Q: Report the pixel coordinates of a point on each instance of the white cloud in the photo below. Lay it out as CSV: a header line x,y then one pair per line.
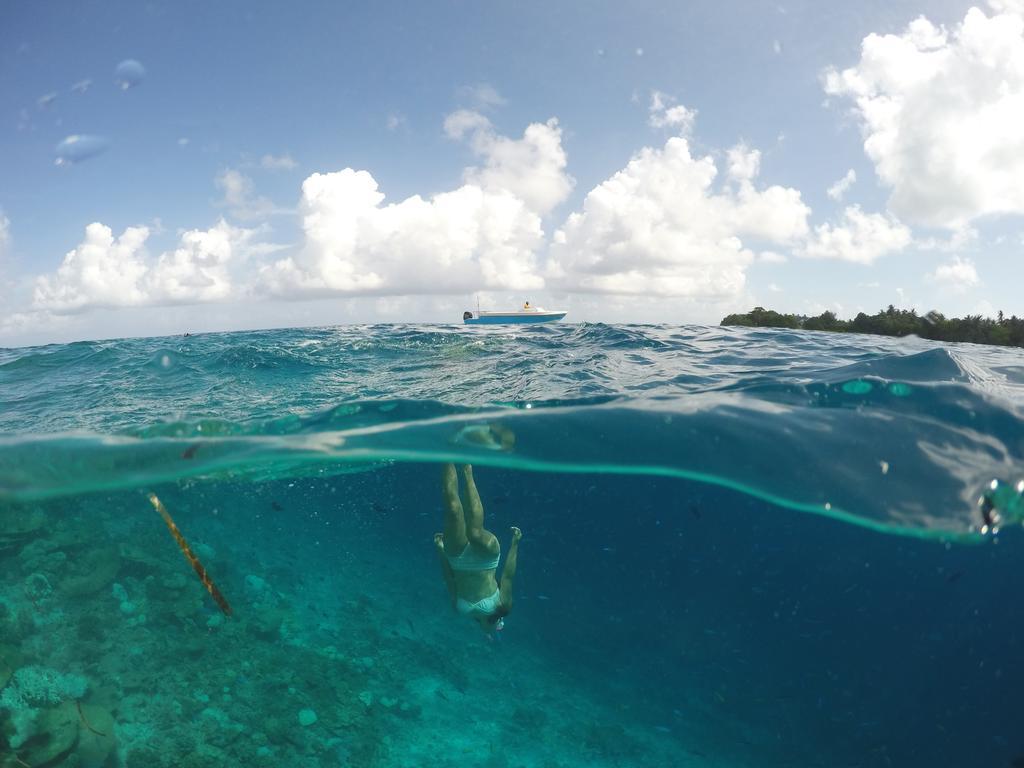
x,y
482,235
837,190
959,274
108,271
744,163
455,242
771,257
665,113
240,197
660,227
101,271
464,121
5,234
395,121
277,163
531,168
941,111
198,269
861,238
958,239
1007,6
481,96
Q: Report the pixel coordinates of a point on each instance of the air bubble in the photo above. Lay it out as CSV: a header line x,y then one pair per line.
x,y
79,147
128,74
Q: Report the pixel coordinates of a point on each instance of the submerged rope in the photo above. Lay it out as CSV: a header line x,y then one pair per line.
x,y
190,555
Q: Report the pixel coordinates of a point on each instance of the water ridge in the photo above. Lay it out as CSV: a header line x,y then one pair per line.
x,y
896,434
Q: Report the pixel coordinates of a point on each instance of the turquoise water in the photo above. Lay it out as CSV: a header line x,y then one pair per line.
x,y
742,547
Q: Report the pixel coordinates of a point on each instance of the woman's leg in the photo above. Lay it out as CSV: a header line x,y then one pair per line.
x,y
454,518
476,533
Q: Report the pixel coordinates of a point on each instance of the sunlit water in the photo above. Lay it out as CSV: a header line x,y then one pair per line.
x,y
741,548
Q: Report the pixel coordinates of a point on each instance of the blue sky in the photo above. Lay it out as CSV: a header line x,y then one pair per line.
x,y
648,161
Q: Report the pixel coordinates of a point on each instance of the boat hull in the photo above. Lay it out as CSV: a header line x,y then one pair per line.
x,y
514,318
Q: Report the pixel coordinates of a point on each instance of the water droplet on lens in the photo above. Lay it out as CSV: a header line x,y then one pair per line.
x,y
79,147
129,73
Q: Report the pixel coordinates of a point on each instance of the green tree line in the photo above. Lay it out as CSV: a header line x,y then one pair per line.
x,y
1004,331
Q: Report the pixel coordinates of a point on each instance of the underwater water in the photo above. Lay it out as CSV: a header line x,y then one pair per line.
x,y
741,547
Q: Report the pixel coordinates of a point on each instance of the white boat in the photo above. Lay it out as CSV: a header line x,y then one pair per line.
x,y
528,314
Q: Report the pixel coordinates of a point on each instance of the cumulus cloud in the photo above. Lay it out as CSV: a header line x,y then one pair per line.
x,y
861,237
198,269
663,112
940,111
959,274
101,271
277,162
661,226
457,241
837,190
485,234
108,271
531,168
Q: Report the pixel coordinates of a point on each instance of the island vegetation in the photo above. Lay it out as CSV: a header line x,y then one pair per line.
x,y
1002,330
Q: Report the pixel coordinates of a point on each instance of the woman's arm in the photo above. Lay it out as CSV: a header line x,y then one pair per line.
x,y
446,568
508,573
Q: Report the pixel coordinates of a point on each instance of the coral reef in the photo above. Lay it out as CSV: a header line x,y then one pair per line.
x,y
116,656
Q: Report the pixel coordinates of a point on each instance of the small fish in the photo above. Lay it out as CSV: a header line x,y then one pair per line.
x,y
543,597
953,578
662,729
276,507
190,452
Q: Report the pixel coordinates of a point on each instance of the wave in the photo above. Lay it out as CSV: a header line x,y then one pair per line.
x,y
897,435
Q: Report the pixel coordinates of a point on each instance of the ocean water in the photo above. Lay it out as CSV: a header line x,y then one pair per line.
x,y
741,547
